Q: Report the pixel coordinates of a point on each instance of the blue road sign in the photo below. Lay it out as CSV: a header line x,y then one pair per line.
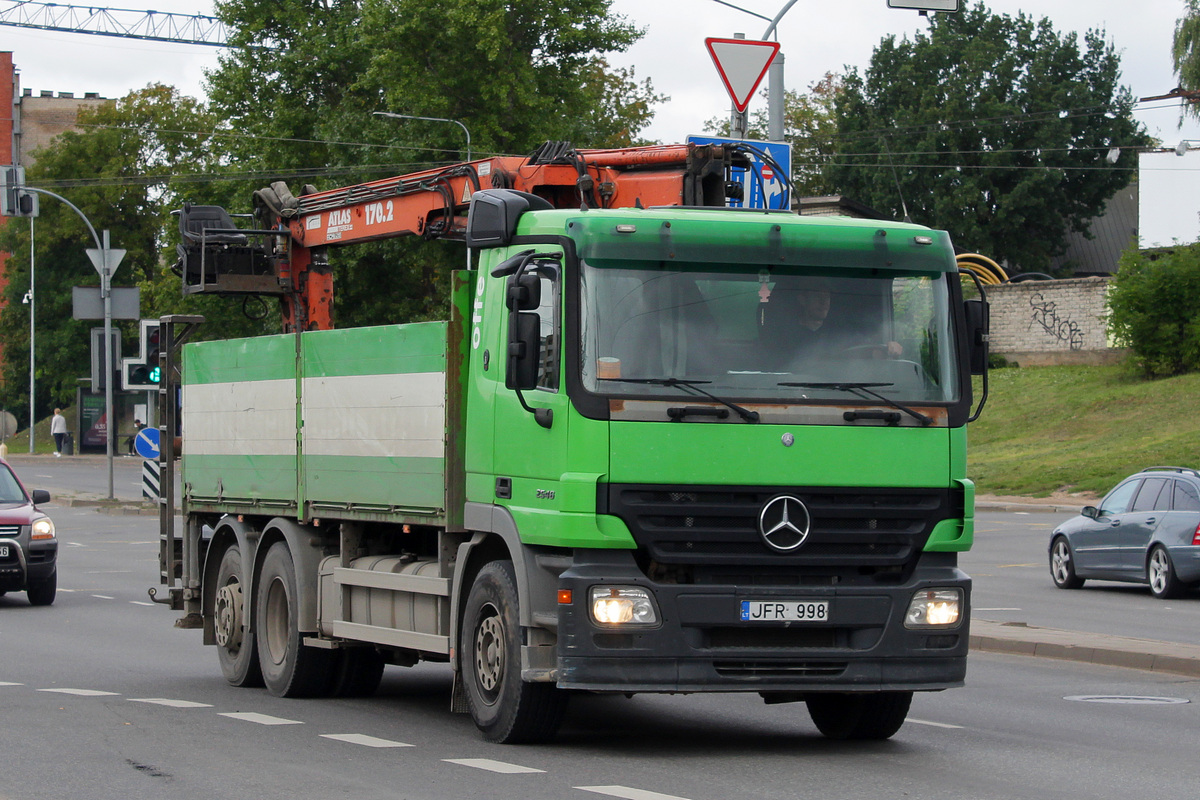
x,y
146,443
762,187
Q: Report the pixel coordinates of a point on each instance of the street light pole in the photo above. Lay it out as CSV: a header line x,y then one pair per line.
x,y
429,119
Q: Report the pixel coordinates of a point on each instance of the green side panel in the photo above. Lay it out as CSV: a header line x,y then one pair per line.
x,y
241,477
559,529
409,484
416,347
722,454
954,535
259,359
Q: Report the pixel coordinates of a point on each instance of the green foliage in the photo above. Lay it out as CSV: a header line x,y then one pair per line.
x,y
1154,306
1185,50
809,126
992,127
136,153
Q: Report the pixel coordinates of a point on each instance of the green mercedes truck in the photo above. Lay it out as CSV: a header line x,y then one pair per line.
x,y
664,450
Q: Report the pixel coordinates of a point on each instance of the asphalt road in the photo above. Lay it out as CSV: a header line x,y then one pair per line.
x,y
103,699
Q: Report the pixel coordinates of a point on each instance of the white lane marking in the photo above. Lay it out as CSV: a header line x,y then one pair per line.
x,y
103,597
74,544
492,766
629,793
9,683
80,692
68,591
140,603
261,719
163,701
933,724
364,740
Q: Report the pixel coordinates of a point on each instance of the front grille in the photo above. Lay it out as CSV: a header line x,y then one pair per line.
x,y
716,526
10,530
764,638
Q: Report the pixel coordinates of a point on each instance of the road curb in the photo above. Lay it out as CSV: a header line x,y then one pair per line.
x,y
1017,638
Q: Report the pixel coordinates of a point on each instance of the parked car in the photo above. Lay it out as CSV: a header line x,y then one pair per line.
x,y
1146,530
28,547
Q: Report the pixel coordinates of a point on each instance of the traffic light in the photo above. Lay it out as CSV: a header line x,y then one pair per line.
x,y
14,200
144,371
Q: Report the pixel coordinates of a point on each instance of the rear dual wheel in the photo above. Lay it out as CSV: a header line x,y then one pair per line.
x,y
236,650
289,669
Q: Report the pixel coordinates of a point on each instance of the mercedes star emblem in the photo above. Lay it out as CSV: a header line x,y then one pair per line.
x,y
783,523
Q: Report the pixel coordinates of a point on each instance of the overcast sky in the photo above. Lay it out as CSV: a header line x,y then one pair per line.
x,y
816,36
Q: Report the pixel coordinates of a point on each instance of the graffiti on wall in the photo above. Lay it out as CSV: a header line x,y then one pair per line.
x,y
1062,328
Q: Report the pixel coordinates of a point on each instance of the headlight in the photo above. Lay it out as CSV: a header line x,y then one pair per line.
x,y
934,608
43,528
622,605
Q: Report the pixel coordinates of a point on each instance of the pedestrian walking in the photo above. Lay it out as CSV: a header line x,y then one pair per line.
x,y
58,429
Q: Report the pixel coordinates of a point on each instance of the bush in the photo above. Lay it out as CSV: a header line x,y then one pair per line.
x,y
1154,310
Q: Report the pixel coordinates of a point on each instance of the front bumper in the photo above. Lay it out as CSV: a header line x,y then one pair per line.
x,y
702,645
27,563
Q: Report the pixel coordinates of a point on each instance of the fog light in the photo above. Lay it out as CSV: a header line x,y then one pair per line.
x,y
934,608
622,605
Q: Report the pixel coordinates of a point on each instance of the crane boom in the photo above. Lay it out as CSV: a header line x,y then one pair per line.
x,y
157,26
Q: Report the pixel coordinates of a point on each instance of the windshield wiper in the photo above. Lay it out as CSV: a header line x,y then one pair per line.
x,y
866,392
690,385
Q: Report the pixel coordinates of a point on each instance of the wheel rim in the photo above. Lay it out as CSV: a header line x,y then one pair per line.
x,y
227,615
1160,571
1061,562
276,626
489,652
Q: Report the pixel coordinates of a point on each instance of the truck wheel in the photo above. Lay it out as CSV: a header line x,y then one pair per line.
x,y
358,672
870,715
505,708
42,593
289,669
231,623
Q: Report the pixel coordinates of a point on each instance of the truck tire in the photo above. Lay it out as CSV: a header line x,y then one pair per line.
x,y
42,593
506,709
869,715
289,669
231,623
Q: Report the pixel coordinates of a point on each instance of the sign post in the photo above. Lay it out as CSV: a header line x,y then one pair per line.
x,y
106,260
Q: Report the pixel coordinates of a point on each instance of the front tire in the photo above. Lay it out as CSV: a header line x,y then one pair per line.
x,y
865,716
236,650
1160,574
1062,565
506,709
289,669
42,593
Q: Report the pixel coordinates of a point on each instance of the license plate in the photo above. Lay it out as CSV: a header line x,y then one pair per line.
x,y
785,611
3,551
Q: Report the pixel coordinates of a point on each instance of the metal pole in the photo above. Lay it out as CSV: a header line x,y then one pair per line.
x,y
429,119
106,293
737,119
32,417
776,108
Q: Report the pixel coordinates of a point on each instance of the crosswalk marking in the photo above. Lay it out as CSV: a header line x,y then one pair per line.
x,y
261,719
162,701
629,793
492,766
364,740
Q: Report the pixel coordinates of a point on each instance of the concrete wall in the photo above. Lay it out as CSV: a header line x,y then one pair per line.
x,y
1039,323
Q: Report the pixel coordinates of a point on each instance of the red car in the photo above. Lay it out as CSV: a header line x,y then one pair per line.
x,y
28,547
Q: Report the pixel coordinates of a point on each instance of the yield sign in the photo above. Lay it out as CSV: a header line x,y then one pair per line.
x,y
742,63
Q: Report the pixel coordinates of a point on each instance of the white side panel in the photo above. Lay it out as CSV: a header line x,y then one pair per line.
x,y
241,418
398,415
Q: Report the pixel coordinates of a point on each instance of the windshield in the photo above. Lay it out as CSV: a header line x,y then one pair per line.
x,y
778,335
10,490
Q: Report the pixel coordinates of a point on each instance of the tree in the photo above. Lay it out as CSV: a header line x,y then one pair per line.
x,y
992,127
809,125
1185,50
305,76
1154,305
138,152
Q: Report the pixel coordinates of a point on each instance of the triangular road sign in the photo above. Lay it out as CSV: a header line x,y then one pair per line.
x,y
741,63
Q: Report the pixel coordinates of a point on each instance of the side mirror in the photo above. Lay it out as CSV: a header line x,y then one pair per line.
x,y
39,496
977,333
524,292
1091,512
524,350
